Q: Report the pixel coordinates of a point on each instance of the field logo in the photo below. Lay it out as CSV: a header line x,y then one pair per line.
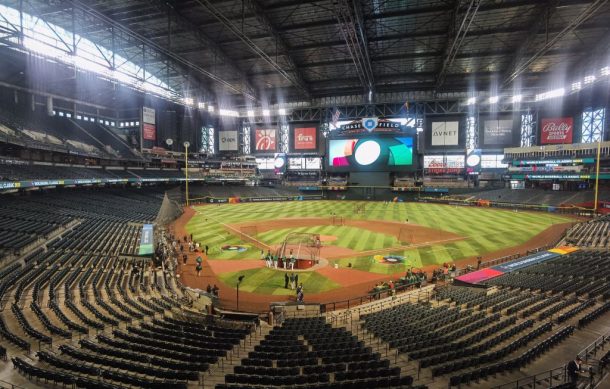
x,y
234,247
390,259
558,130
370,124
265,140
305,138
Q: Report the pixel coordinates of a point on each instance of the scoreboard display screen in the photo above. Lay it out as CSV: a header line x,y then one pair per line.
x,y
371,153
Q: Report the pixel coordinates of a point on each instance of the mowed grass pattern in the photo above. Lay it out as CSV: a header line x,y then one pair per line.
x,y
268,281
349,237
485,230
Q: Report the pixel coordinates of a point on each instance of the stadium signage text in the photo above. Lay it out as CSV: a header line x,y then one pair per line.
x,y
445,133
557,130
227,141
371,124
553,161
305,138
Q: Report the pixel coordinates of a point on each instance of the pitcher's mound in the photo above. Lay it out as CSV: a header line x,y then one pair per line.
x,y
327,238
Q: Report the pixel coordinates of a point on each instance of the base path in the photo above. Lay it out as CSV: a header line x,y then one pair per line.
x,y
222,266
410,232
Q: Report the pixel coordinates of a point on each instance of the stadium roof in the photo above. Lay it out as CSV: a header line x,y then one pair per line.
x,y
256,53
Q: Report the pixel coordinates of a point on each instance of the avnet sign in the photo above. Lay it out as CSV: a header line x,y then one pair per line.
x,y
444,133
227,141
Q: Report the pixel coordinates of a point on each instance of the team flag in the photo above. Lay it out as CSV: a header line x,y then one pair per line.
x,y
335,117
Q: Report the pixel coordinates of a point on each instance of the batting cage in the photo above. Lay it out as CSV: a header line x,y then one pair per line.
x,y
303,247
359,208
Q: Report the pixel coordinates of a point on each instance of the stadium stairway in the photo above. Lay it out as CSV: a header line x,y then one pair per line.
x,y
350,320
554,358
216,374
551,359
407,368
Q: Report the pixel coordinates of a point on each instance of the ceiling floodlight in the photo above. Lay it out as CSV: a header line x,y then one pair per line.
x,y
550,94
576,86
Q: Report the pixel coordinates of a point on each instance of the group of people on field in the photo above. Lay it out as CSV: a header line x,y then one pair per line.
x,y
292,280
273,261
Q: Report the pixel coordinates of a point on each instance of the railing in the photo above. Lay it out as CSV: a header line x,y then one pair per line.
x,y
349,315
349,303
507,258
6,384
558,375
546,379
591,350
497,204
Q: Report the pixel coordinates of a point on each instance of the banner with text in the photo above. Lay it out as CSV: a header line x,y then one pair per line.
x,y
498,132
146,240
227,141
265,140
149,124
305,138
556,130
445,133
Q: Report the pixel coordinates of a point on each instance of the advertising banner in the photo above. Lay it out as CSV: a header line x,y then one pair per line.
x,y
445,133
146,240
227,141
557,130
482,275
149,127
444,164
305,138
265,140
498,132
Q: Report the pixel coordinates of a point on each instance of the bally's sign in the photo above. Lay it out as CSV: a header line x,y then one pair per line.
x,y
227,140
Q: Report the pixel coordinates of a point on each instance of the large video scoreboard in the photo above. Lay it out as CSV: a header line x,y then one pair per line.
x,y
372,144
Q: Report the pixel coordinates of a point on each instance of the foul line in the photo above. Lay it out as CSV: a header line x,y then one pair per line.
x,y
381,251
241,234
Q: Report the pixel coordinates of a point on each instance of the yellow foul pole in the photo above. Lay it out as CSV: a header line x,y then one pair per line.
x,y
599,148
186,169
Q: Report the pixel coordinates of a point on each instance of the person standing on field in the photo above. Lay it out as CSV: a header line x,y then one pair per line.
x,y
292,284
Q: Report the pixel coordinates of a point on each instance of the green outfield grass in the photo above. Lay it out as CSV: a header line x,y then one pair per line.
x,y
484,230
268,281
349,237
